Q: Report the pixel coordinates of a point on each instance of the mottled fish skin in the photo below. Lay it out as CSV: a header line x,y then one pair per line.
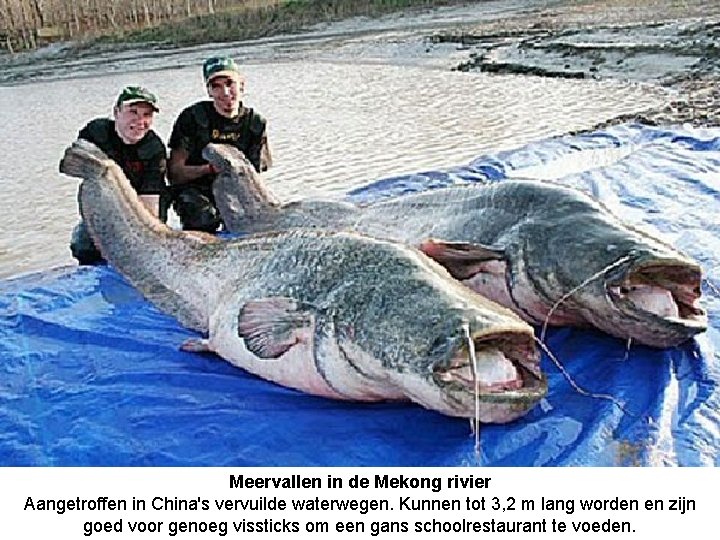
x,y
334,314
551,254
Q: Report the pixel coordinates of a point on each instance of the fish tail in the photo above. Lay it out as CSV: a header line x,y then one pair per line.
x,y
153,257
240,193
84,160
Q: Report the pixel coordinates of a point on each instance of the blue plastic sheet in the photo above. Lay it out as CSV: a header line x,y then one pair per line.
x,y
92,374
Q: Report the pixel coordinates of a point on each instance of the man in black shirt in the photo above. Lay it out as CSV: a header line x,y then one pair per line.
x,y
223,120
129,141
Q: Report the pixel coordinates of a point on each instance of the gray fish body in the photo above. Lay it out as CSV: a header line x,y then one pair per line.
x,y
333,314
551,254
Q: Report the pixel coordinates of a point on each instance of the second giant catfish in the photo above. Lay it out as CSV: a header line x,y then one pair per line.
x,y
551,254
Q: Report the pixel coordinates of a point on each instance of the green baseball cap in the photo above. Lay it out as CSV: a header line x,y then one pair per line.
x,y
220,66
137,94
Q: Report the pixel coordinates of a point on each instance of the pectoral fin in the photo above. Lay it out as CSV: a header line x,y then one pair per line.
x,y
272,326
462,259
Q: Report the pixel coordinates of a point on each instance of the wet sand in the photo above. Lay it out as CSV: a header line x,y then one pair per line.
x,y
672,44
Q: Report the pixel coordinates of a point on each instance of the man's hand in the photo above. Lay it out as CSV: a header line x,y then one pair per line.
x,y
180,173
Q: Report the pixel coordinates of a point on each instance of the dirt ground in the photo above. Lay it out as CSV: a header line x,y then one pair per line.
x,y
675,44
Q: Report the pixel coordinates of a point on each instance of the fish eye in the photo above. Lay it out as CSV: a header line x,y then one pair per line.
x,y
440,344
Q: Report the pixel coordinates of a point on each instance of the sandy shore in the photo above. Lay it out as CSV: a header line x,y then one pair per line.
x,y
670,43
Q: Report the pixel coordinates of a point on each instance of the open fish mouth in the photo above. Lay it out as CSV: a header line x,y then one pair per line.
x,y
501,370
664,292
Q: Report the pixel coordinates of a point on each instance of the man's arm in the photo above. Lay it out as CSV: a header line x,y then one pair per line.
x,y
258,152
184,136
180,173
265,154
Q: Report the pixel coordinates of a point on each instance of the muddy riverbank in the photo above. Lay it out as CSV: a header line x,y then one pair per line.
x,y
673,44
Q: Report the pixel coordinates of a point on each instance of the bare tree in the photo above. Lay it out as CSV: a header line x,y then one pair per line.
x,y
22,21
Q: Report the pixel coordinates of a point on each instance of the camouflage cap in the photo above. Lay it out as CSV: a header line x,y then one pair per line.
x,y
220,66
137,94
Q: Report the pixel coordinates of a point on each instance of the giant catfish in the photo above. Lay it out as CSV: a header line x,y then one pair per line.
x,y
551,254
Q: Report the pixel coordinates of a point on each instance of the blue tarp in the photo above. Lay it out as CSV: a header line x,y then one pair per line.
x,y
92,374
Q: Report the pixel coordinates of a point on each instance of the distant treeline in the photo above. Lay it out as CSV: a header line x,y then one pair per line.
x,y
26,24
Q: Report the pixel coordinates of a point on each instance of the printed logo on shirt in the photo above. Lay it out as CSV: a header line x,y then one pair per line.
x,y
224,136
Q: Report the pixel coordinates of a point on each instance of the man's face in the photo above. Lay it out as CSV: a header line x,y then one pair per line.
x,y
226,93
133,120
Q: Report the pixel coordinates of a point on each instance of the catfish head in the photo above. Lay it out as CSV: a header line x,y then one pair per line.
x,y
586,269
622,280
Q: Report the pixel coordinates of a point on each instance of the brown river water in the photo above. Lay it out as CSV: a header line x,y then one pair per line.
x,y
343,110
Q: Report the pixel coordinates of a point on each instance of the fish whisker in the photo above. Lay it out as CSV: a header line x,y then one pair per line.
x,y
627,349
619,404
474,422
712,287
573,291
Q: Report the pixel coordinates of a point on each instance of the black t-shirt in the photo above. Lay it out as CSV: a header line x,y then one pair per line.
x,y
201,124
144,163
